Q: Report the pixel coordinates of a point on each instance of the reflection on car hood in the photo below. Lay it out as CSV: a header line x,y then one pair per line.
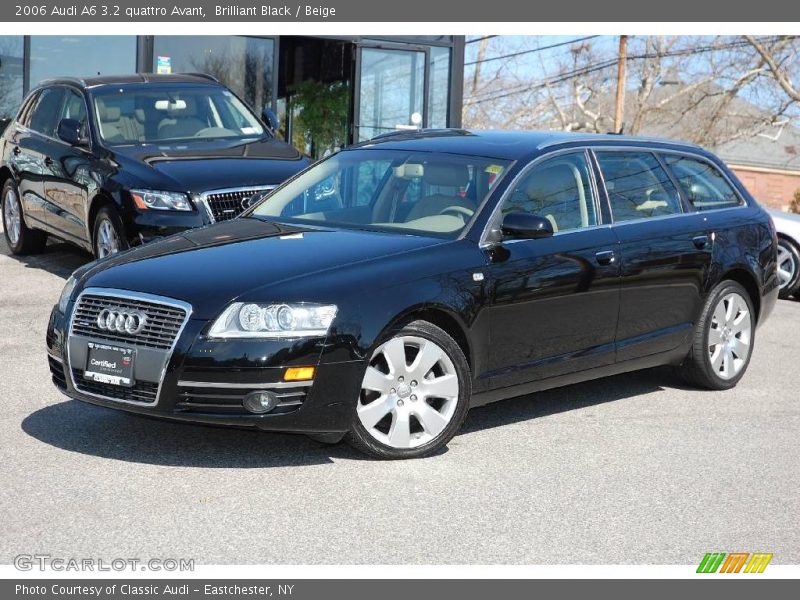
x,y
199,166
210,266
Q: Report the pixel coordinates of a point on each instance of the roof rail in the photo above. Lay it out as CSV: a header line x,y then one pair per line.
x,y
203,75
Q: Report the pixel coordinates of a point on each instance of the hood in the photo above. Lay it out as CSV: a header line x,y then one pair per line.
x,y
207,165
211,266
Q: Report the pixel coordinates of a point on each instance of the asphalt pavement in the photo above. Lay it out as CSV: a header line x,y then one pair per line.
x,y
632,469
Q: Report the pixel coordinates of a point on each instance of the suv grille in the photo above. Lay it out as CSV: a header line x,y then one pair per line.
x,y
227,204
162,326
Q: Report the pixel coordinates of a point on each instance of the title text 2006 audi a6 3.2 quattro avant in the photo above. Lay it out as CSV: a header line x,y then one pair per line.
x,y
457,268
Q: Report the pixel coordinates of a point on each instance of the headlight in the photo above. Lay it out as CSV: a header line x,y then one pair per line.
x,y
250,320
66,293
152,199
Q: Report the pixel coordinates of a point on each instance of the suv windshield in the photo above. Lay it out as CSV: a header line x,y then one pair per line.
x,y
157,114
387,190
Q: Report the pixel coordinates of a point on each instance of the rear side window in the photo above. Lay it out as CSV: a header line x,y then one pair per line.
x,y
559,190
637,186
705,187
44,116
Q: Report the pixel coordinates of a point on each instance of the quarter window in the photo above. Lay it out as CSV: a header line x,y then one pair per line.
x,y
44,116
75,108
558,189
637,186
704,186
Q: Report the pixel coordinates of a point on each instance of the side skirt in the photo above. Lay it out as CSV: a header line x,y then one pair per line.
x,y
673,357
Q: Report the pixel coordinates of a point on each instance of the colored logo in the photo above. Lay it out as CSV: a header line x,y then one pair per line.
x,y
735,562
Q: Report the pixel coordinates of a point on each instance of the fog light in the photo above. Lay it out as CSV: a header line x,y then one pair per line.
x,y
260,402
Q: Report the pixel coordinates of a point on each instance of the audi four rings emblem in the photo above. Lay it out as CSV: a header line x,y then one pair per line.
x,y
121,320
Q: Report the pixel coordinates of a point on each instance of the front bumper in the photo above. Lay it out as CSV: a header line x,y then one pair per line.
x,y
204,381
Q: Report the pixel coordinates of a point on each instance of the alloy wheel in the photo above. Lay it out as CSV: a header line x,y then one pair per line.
x,y
12,220
107,239
787,266
729,336
409,393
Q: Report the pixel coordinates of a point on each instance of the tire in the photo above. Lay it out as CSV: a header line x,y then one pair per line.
x,y
714,363
788,267
419,408
108,233
20,238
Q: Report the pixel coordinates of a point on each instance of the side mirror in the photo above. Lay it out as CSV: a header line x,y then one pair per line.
x,y
69,131
517,225
270,118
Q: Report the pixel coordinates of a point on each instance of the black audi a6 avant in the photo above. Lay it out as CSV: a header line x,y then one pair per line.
x,y
110,162
458,268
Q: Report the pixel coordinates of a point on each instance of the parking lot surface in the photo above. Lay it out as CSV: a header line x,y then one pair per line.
x,y
630,469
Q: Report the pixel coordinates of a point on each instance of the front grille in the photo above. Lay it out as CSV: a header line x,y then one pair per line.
x,y
57,373
141,391
227,204
162,326
229,400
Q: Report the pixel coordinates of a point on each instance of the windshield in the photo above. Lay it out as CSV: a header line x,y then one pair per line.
x,y
153,114
387,190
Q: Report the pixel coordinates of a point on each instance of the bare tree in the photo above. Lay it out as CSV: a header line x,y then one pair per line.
x,y
780,56
708,90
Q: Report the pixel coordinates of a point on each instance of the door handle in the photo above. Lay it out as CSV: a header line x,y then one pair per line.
x,y
16,151
606,257
700,241
48,161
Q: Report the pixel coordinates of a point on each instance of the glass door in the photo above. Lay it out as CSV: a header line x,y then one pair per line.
x,y
391,91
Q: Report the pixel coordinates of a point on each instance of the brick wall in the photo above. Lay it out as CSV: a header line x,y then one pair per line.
x,y
771,188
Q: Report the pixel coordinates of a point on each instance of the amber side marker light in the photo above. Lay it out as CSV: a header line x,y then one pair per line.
x,y
298,374
139,202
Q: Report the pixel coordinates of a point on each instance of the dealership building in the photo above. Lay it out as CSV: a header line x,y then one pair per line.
x,y
327,91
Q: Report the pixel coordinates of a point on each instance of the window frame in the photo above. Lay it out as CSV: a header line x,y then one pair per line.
x,y
29,104
691,208
35,105
494,221
670,177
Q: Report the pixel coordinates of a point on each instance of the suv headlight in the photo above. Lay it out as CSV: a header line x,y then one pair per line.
x,y
251,320
66,293
153,199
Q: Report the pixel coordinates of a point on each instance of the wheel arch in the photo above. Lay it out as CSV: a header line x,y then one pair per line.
x,y
100,199
748,281
441,317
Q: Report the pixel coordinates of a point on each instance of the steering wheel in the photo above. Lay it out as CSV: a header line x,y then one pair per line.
x,y
461,211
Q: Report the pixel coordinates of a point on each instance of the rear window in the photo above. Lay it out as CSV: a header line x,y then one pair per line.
x,y
705,187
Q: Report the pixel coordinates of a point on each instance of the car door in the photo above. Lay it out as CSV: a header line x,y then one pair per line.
x,y
29,151
554,300
68,177
665,253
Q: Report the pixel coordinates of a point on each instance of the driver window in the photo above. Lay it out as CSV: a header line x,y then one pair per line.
x,y
559,190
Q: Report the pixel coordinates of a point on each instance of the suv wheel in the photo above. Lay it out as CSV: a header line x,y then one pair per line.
x,y
109,237
723,339
20,238
414,395
788,267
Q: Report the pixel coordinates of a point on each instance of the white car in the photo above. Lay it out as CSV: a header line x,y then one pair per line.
x,y
788,226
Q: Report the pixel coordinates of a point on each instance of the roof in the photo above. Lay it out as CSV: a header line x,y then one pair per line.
x,y
778,149
509,145
100,80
